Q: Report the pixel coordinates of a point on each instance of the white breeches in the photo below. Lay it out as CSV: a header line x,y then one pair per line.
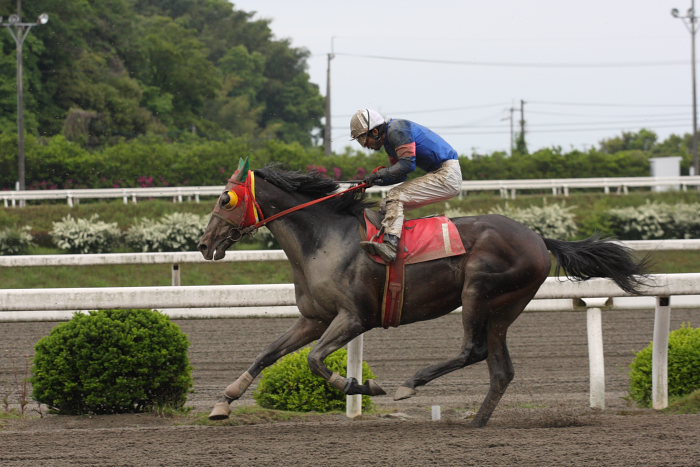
x,y
443,184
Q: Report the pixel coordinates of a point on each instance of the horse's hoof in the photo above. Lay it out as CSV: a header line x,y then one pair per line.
x,y
220,411
374,388
404,392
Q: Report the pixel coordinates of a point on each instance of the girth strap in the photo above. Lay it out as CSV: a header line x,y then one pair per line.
x,y
392,303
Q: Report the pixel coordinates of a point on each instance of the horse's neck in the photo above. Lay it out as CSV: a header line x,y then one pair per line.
x,y
290,230
299,233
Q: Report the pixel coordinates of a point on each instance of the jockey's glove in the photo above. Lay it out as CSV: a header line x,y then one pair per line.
x,y
371,178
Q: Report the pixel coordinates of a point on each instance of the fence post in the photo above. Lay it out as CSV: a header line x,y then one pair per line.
x,y
353,404
659,362
176,274
596,360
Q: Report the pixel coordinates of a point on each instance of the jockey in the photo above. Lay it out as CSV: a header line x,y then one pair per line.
x,y
408,145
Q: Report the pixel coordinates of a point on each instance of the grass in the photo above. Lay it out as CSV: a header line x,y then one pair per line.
x,y
146,275
689,404
41,216
249,272
10,414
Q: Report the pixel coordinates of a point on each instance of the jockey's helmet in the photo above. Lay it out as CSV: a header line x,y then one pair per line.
x,y
364,121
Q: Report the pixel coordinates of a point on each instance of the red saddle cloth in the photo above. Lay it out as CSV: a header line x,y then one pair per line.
x,y
423,239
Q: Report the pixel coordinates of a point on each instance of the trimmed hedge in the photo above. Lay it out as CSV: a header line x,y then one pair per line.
x,y
290,385
683,366
113,361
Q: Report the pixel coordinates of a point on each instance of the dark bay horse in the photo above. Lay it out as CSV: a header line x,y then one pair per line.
x,y
339,288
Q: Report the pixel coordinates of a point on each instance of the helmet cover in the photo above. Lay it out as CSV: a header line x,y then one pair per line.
x,y
363,121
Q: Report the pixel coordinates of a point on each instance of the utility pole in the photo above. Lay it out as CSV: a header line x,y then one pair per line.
x,y
327,127
512,135
691,22
520,144
19,32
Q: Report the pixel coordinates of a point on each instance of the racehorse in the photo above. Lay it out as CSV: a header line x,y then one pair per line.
x,y
339,288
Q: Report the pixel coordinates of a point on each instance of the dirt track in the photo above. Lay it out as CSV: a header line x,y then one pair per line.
x,y
542,420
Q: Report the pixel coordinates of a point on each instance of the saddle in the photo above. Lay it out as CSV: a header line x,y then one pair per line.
x,y
423,239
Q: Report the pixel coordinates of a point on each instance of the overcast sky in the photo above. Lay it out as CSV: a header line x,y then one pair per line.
x,y
586,71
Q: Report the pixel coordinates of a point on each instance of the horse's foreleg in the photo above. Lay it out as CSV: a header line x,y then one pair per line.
x,y
301,333
500,370
342,330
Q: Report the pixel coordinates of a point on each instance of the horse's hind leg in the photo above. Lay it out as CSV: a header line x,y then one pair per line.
x,y
500,370
301,333
473,350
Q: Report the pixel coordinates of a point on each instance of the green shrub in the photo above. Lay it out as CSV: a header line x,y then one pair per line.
x,y
113,361
178,231
683,366
289,384
644,222
550,220
654,220
15,241
685,221
85,235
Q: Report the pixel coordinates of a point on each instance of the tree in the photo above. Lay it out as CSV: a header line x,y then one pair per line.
x,y
643,140
113,70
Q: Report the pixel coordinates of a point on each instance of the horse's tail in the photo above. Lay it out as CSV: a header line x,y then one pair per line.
x,y
596,257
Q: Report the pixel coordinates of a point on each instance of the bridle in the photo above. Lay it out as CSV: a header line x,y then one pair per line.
x,y
249,217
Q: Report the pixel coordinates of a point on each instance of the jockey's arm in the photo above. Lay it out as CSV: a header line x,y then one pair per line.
x,y
401,166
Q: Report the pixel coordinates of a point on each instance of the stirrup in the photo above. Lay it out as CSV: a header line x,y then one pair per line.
x,y
386,251
369,247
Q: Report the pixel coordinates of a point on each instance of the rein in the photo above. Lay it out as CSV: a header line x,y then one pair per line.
x,y
251,228
300,206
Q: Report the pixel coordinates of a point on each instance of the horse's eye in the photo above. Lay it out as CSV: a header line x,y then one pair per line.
x,y
229,199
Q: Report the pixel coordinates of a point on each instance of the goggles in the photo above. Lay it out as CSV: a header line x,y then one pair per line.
x,y
362,139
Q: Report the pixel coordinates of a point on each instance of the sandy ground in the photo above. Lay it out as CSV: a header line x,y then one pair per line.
x,y
543,419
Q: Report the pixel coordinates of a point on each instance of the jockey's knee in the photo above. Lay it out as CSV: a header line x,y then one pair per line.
x,y
390,203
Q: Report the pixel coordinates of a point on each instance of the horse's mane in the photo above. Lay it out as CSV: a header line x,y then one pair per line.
x,y
315,185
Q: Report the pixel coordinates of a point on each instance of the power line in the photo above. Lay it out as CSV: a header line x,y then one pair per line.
x,y
558,130
522,64
593,104
649,121
560,114
444,109
539,126
505,104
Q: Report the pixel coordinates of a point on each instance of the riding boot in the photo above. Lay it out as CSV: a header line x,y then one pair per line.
x,y
386,250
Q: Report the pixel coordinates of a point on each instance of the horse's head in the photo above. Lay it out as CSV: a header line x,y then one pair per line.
x,y
235,211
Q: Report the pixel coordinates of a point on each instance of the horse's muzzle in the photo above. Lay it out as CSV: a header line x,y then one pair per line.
x,y
216,253
206,252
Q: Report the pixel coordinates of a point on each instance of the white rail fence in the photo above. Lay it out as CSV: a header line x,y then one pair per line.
x,y
248,300
506,189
